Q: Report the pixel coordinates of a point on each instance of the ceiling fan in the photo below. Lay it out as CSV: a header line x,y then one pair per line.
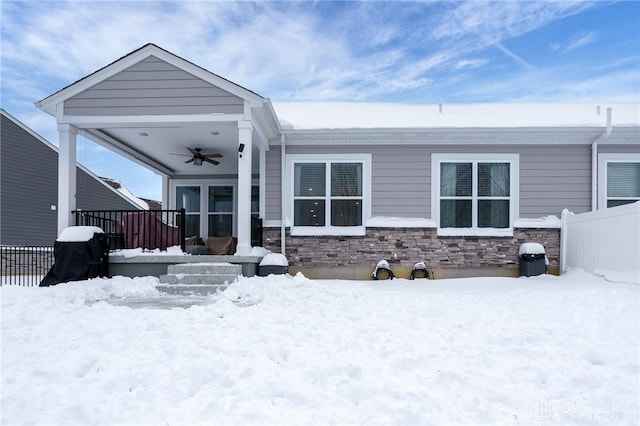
x,y
198,157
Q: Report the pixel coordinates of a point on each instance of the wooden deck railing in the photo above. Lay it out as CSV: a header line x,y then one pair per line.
x,y
129,229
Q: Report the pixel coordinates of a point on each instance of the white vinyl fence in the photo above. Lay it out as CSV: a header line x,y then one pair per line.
x,y
604,240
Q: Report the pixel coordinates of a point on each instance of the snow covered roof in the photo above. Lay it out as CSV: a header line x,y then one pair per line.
x,y
124,191
359,115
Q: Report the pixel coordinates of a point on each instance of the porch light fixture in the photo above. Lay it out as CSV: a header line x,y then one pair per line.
x,y
197,161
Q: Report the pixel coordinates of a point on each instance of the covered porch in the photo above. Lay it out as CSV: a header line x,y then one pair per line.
x,y
204,135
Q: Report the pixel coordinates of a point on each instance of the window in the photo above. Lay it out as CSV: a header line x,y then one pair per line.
x,y
211,206
220,211
188,198
330,194
619,179
255,200
474,194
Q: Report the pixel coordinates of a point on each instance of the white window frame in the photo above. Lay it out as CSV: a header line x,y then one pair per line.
x,y
603,160
364,159
204,201
514,195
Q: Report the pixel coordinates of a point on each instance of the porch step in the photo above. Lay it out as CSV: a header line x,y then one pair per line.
x,y
198,278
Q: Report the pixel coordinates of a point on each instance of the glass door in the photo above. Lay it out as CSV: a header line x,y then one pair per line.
x,y
220,211
188,198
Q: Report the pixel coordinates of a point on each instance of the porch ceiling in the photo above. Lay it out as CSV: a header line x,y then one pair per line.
x,y
165,144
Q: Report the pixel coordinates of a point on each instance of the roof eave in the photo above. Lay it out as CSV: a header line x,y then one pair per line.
x,y
49,104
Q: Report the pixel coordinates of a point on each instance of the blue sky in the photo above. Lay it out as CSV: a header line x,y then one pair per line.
x,y
373,51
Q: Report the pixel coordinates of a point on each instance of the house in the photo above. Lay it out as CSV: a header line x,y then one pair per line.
x,y
28,184
340,186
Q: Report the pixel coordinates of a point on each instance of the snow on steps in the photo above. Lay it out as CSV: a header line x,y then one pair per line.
x,y
199,278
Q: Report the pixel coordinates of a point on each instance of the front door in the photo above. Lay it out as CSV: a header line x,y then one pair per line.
x,y
211,208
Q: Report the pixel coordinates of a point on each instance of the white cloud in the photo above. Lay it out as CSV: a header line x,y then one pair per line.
x,y
281,50
469,63
577,41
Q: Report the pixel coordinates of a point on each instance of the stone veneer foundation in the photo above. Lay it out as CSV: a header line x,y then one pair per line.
x,y
445,257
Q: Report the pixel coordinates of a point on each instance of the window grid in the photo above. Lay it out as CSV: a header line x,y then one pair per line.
x,y
475,198
623,182
325,201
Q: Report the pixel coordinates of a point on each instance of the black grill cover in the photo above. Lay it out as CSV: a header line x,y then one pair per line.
x,y
77,261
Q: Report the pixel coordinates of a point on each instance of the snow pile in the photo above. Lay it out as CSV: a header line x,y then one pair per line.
x,y
259,251
531,248
274,259
128,253
542,222
79,233
400,222
543,350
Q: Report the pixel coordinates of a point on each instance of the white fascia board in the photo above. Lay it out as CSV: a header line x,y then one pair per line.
x,y
104,121
457,136
48,104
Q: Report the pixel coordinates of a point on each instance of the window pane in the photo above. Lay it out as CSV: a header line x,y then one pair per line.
x,y
623,180
455,179
309,179
192,225
493,179
346,212
493,213
616,203
346,179
455,213
221,199
308,213
188,198
220,225
255,199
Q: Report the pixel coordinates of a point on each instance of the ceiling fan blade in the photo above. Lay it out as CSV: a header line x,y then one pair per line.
x,y
194,151
212,155
182,155
214,162
190,161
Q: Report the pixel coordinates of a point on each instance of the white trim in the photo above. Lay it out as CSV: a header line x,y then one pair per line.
x,y
426,136
514,188
329,230
603,160
93,121
49,104
204,185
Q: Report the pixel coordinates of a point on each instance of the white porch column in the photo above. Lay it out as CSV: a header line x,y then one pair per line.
x,y
166,197
67,135
245,147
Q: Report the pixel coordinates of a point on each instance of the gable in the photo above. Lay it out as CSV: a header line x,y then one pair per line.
x,y
153,87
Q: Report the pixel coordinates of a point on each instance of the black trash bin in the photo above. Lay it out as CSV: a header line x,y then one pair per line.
x,y
78,260
533,260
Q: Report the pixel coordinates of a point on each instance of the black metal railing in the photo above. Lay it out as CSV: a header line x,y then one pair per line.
x,y
129,229
24,266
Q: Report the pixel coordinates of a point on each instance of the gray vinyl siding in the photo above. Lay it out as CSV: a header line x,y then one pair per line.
x,y
153,87
29,187
553,177
273,186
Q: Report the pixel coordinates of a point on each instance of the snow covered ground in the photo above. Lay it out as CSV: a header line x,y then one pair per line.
x,y
287,350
